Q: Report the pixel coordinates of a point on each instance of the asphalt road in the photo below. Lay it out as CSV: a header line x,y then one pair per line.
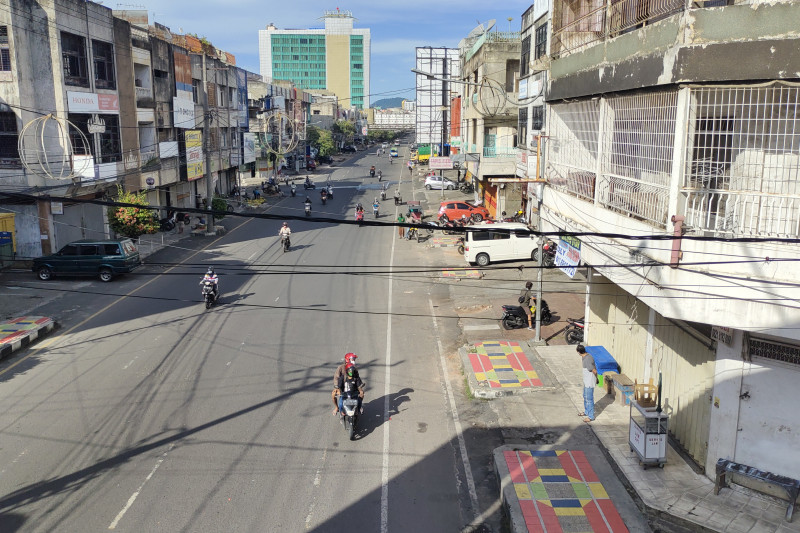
x,y
148,413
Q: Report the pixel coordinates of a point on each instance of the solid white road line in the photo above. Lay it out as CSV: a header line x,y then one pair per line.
x,y
386,395
136,494
473,494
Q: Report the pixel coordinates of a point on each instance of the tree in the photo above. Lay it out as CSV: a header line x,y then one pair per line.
x,y
320,139
345,128
132,221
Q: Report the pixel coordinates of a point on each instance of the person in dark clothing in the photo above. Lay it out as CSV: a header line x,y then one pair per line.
x,y
525,301
350,381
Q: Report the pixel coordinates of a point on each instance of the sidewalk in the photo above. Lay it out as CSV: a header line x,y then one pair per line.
x,y
674,495
19,332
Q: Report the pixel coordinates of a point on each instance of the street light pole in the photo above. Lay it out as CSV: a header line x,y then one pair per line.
x,y
540,249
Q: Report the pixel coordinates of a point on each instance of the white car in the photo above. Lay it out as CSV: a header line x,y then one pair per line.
x,y
437,182
384,145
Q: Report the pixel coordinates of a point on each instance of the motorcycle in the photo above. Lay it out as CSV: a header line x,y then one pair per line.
x,y
359,216
168,224
324,198
514,316
286,244
380,175
208,294
375,210
308,210
467,188
548,254
574,332
350,412
451,227
309,185
294,190
330,192
372,172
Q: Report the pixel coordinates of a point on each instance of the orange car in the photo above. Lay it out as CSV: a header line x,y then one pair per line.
x,y
451,210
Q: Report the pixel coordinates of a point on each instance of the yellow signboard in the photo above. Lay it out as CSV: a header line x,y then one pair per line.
x,y
194,154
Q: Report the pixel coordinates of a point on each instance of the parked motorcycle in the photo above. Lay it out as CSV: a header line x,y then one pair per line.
x,y
574,332
208,294
451,226
350,412
514,316
168,223
548,253
467,188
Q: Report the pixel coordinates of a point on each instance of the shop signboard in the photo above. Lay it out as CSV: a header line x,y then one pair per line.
x,y
568,255
194,154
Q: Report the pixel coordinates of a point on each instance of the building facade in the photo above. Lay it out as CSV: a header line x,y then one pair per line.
x,y
434,89
689,132
335,58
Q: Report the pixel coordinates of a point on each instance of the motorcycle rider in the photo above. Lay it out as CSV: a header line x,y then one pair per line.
x,y
375,206
348,381
285,232
308,183
525,301
397,197
214,279
323,194
350,358
294,188
380,175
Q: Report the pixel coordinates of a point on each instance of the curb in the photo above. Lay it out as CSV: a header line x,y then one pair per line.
x,y
16,342
481,389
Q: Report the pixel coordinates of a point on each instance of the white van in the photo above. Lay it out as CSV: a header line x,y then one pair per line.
x,y
482,244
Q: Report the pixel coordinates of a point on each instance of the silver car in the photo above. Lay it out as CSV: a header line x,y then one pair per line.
x,y
438,182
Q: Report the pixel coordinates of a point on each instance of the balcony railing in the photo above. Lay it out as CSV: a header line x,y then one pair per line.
x,y
742,214
499,151
635,198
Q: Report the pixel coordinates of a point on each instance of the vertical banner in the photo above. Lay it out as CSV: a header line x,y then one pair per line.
x,y
194,154
568,255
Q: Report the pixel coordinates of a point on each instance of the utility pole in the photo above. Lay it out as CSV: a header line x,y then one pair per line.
x,y
207,145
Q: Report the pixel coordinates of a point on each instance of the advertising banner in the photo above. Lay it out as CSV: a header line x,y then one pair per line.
x,y
568,255
183,113
194,154
80,102
440,163
249,147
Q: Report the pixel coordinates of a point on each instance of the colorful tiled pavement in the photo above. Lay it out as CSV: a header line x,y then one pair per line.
x,y
19,332
503,365
558,491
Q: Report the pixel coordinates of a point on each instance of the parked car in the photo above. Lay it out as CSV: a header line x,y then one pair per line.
x,y
325,159
487,245
105,259
451,210
349,149
437,182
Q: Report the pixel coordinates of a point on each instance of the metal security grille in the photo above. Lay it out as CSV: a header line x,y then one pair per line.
x,y
572,161
786,353
638,143
742,173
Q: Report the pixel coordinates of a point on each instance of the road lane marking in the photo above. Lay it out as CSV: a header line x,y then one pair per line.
x,y
136,494
317,481
386,394
47,342
473,495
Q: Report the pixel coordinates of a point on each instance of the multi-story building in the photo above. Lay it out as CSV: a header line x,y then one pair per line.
x,y
334,58
489,70
392,119
676,120
533,65
67,90
434,89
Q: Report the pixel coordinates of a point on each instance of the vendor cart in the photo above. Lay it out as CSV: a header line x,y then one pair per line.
x,y
647,434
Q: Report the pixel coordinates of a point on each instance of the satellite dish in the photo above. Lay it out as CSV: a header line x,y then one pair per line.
x,y
481,28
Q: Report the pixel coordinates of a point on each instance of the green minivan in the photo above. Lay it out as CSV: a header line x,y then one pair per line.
x,y
90,258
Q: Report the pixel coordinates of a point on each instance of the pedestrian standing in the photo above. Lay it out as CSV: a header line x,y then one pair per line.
x,y
400,229
589,382
525,300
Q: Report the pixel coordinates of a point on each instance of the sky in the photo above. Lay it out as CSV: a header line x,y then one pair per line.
x,y
396,28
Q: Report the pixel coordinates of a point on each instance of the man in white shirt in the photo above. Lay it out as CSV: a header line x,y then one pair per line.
x,y
589,382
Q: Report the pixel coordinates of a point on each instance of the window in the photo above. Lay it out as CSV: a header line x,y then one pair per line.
x,y
541,41
512,66
522,127
8,136
73,57
110,148
103,53
525,56
537,117
196,90
88,249
70,249
162,74
5,54
80,121
111,249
